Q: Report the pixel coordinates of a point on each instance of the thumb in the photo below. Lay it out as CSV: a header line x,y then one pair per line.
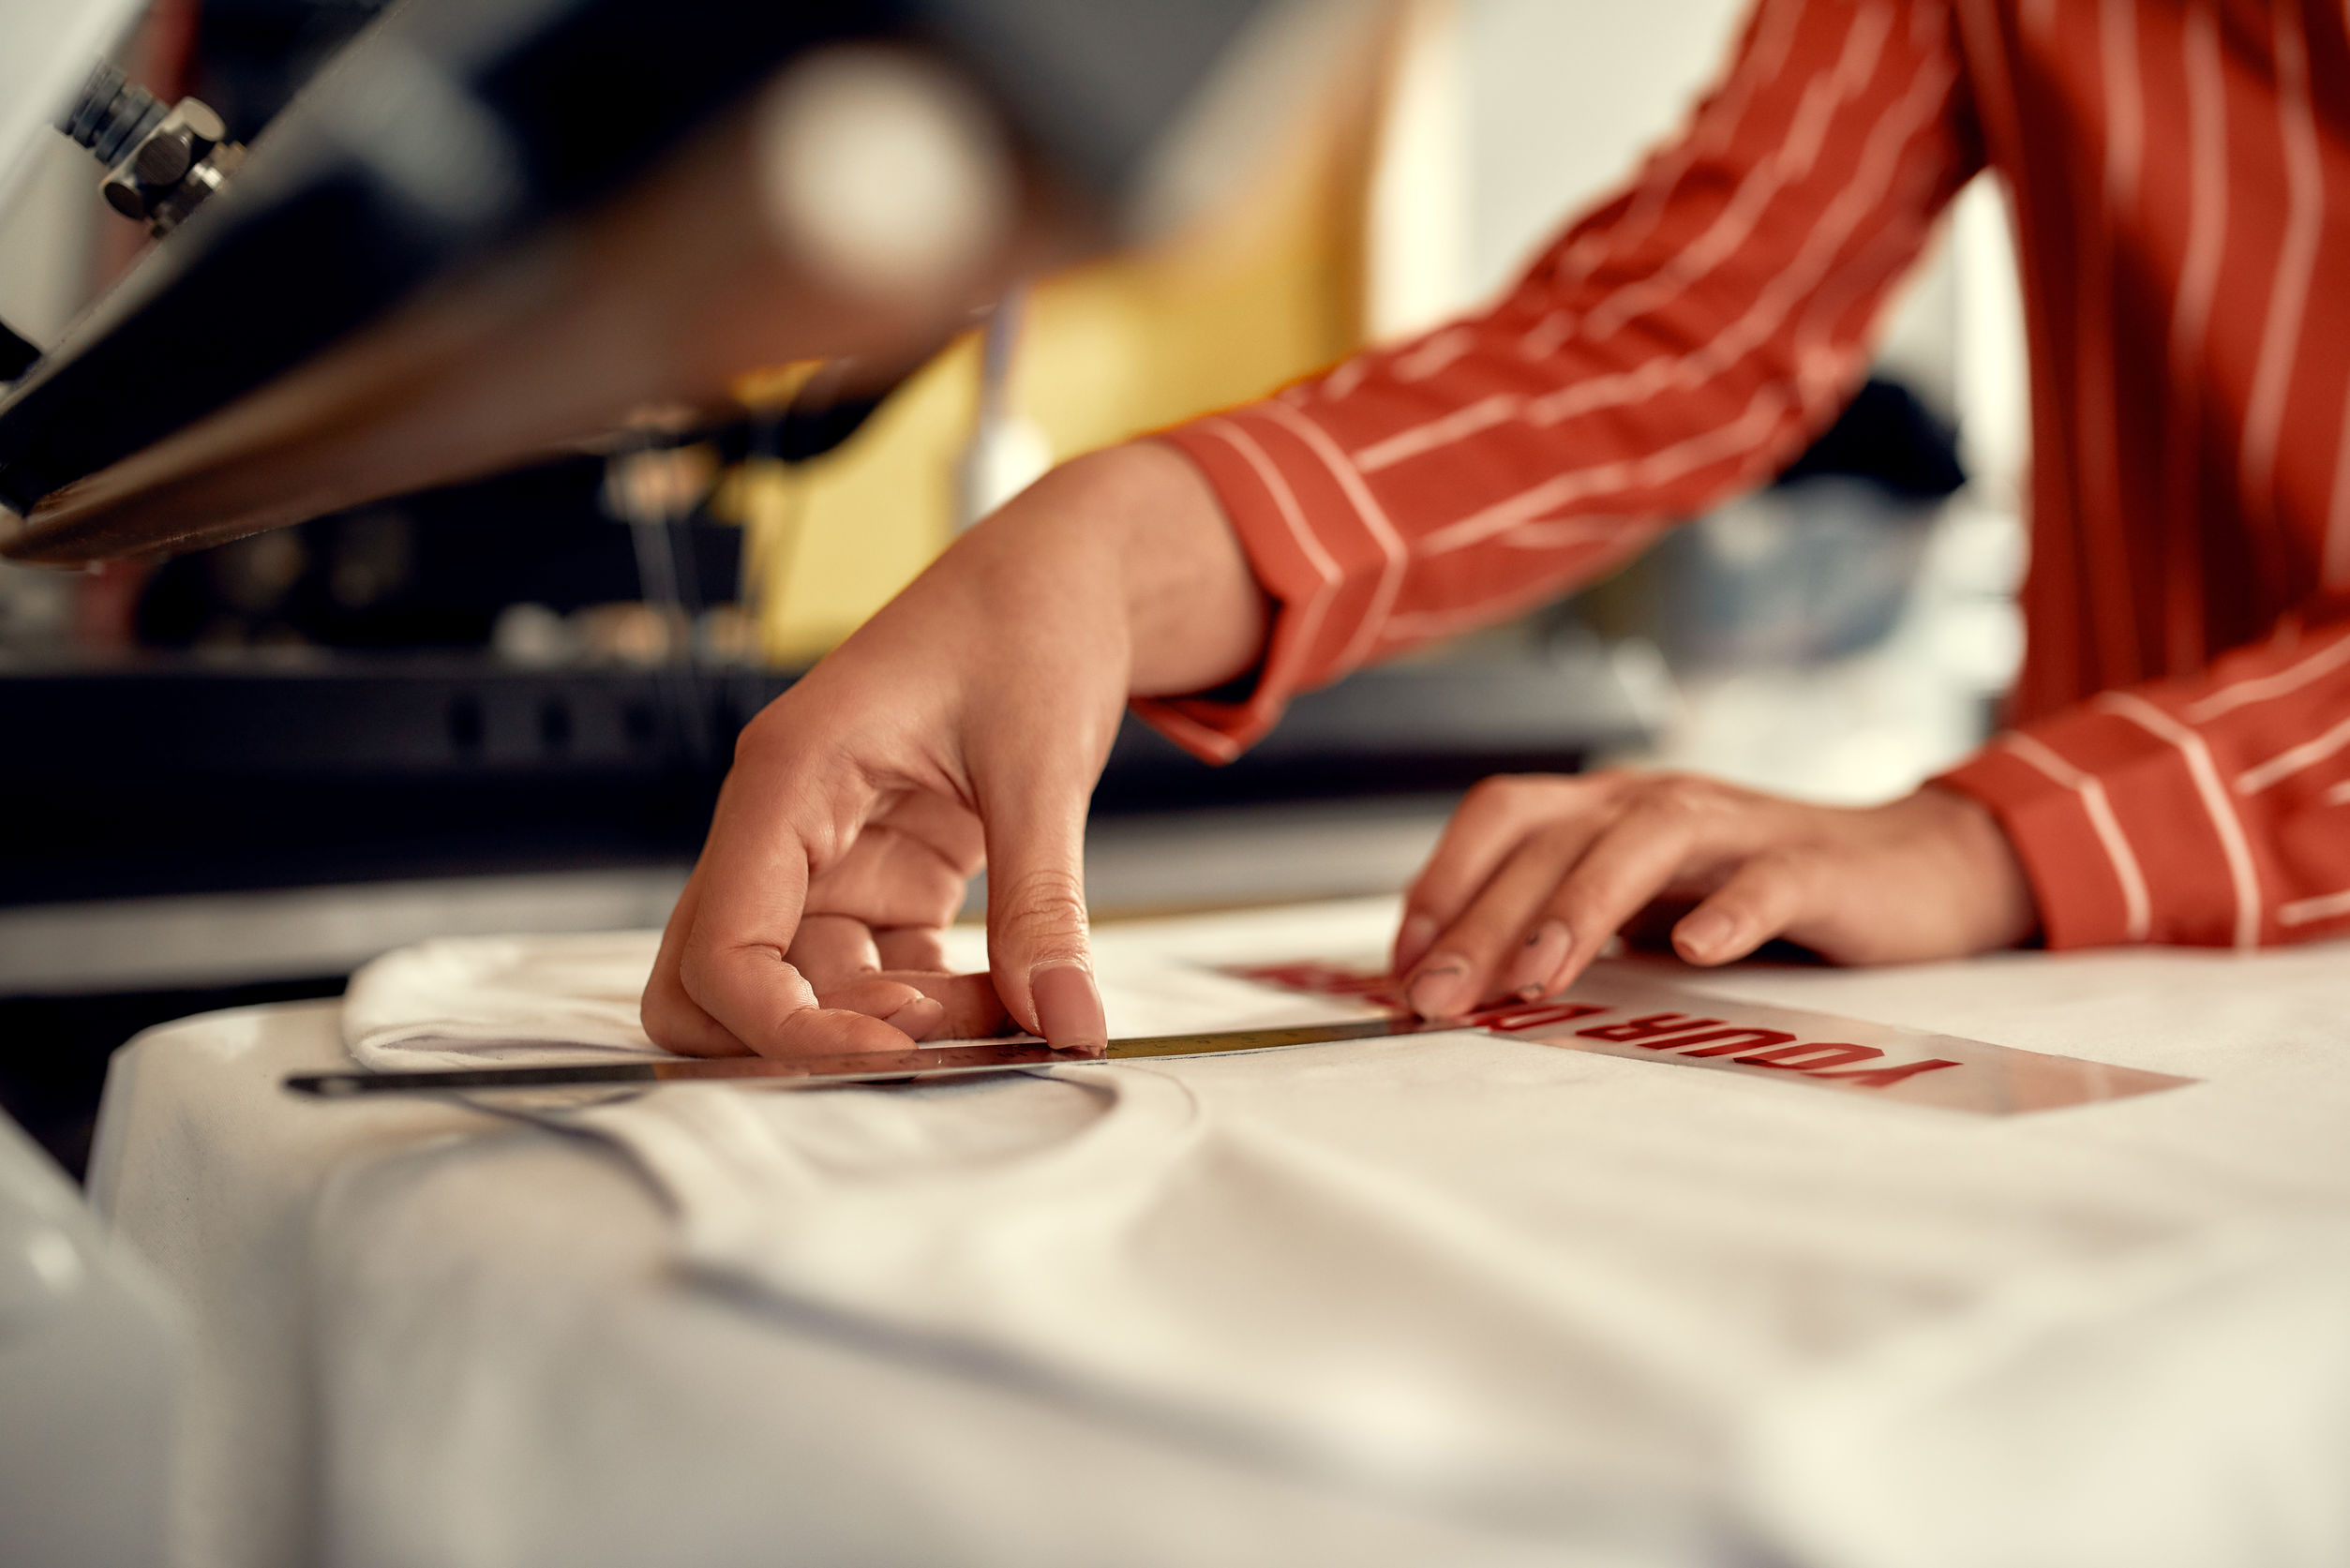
x,y
1035,907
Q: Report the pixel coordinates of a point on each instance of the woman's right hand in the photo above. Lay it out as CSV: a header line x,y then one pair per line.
x,y
964,725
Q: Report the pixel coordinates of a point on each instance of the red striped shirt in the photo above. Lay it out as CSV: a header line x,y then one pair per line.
x,y
2180,172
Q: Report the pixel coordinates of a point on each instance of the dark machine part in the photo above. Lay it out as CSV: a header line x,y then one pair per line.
x,y
161,163
429,571
251,56
112,115
193,775
17,354
447,133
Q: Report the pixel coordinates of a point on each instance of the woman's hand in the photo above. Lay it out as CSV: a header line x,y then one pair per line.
x,y
965,724
1533,874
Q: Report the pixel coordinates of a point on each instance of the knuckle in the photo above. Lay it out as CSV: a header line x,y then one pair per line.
x,y
1508,793
1557,841
1431,896
673,1022
1592,918
1602,900
774,734
810,804
1043,911
1416,908
693,971
1468,934
1581,894
1494,795
701,967
1677,799
666,985
662,1010
1551,791
1682,791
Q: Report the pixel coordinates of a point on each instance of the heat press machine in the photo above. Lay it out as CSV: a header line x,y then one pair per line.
x,y
493,230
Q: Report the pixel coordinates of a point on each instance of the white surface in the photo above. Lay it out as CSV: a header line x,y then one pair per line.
x,y
207,1170
50,207
2185,1406
49,230
46,47
1417,226
90,1359
890,1367
1564,100
477,1001
1515,116
572,1403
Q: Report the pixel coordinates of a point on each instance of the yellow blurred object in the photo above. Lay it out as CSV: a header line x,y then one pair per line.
x,y
1270,290
826,543
775,386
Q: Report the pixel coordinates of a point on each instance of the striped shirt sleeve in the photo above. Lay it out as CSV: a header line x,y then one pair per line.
x,y
2212,811
1675,346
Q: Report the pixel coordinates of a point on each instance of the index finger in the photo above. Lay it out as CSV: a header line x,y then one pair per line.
x,y
1491,820
771,829
674,1021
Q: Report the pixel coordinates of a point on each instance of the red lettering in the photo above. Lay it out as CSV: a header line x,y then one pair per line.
x,y
1735,1040
1885,1078
1512,1018
1808,1058
1643,1031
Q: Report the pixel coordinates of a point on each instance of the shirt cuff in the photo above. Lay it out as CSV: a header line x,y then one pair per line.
x,y
1272,477
2061,825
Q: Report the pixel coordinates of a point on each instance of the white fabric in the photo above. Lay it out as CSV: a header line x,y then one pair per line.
x,y
467,1001
206,1166
512,1372
2175,1408
1886,1335
1508,1280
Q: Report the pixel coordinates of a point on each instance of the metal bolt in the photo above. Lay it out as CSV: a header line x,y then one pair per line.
x,y
122,194
164,158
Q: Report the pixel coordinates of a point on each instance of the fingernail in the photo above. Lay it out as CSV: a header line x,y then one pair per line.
x,y
1703,933
1417,935
1442,990
1546,946
1068,1007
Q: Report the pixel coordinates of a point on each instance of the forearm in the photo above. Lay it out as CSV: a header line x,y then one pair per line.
x,y
1663,355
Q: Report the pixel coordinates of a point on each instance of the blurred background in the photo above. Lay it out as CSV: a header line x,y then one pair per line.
x,y
235,774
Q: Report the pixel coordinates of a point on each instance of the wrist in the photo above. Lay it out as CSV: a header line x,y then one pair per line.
x,y
1154,541
2001,909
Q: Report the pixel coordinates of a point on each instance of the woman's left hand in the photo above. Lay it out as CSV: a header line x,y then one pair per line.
x,y
1534,873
